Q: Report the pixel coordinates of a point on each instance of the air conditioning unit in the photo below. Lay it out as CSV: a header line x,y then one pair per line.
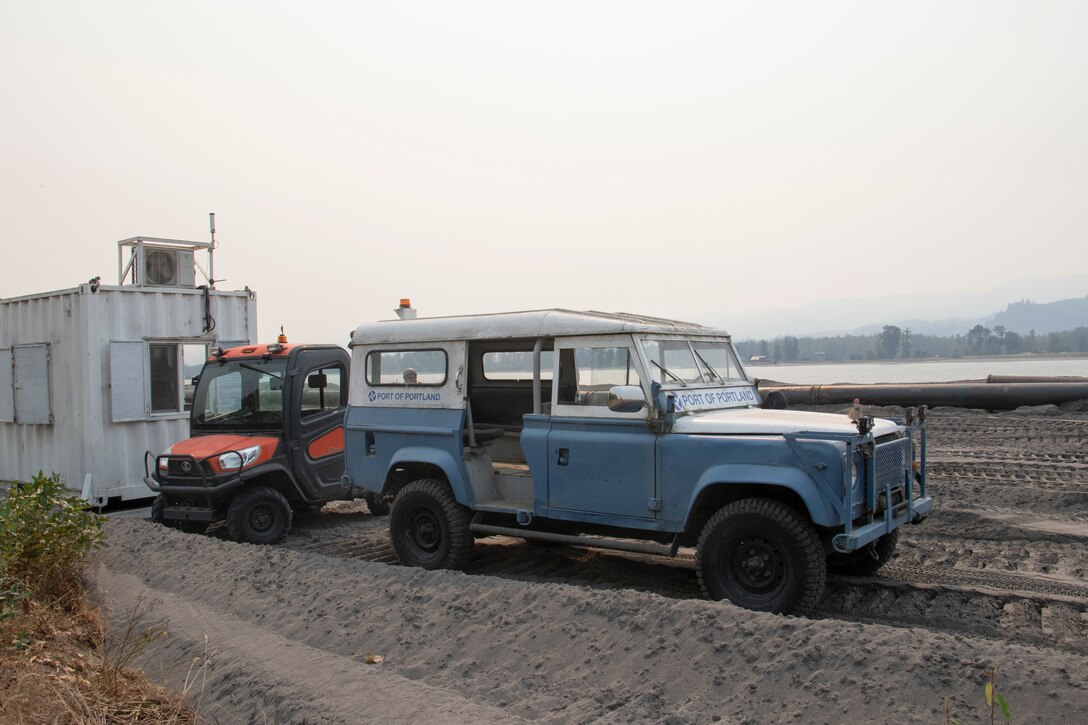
x,y
168,267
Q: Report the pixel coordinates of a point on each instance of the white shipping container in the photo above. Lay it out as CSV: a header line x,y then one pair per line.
x,y
93,377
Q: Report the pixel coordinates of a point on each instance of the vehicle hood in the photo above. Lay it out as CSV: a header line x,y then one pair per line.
x,y
758,421
201,447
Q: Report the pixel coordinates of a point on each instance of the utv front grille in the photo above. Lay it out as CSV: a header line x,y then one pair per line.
x,y
187,468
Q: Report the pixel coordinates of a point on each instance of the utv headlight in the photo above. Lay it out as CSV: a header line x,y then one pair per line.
x,y
239,459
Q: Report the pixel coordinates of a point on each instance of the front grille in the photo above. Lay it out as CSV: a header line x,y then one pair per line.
x,y
187,468
892,464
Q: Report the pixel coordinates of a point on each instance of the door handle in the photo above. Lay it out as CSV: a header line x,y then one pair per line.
x,y
564,457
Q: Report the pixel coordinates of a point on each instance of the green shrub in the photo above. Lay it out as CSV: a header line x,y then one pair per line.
x,y
45,536
11,594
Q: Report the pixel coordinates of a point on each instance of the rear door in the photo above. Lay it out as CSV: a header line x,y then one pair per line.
x,y
316,443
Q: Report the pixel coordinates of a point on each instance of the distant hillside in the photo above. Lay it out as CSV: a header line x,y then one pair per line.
x,y
1022,327
1025,316
936,313
1021,317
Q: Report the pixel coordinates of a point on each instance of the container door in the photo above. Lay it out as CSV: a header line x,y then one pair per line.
x,y
600,461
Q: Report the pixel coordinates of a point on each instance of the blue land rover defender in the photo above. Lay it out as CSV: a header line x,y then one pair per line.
x,y
618,431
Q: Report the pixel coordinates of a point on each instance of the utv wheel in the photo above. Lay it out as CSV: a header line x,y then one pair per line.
x,y
429,528
259,515
762,555
866,560
377,506
158,515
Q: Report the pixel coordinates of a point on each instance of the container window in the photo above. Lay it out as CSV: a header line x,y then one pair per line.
x,y
164,378
171,369
406,367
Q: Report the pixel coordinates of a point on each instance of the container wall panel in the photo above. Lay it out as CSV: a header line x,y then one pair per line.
x,y
31,376
26,449
7,389
128,383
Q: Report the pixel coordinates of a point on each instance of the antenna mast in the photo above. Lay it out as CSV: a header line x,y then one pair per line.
x,y
211,260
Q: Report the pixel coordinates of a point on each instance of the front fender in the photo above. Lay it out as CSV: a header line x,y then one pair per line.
x,y
455,472
819,508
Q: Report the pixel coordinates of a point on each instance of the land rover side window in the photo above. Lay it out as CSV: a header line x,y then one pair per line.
x,y
406,367
586,374
172,367
516,365
321,390
240,395
718,362
671,361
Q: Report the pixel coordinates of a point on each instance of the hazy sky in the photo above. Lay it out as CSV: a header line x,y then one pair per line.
x,y
690,160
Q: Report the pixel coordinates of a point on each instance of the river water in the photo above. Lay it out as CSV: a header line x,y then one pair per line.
x,y
912,371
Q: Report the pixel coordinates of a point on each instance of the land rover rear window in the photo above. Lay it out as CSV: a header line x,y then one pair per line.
x,y
516,365
406,367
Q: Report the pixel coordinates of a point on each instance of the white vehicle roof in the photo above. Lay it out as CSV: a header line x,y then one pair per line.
x,y
527,324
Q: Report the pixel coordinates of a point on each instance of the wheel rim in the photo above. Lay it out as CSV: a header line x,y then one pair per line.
x,y
424,531
755,569
262,518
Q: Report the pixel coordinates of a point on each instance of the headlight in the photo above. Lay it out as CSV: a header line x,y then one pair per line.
x,y
852,467
164,464
240,459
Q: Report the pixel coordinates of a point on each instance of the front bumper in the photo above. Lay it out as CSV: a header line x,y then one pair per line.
x,y
891,472
197,485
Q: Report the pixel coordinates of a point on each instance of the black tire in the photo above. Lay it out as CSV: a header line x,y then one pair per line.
x,y
866,560
377,506
158,509
259,515
429,528
761,554
158,515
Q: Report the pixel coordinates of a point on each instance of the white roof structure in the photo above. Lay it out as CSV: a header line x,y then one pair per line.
x,y
526,324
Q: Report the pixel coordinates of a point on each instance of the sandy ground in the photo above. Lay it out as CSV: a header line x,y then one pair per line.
x,y
996,577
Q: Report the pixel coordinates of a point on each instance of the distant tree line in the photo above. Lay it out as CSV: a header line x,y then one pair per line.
x,y
894,343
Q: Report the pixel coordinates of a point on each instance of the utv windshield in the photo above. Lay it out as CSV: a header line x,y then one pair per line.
x,y
241,395
681,363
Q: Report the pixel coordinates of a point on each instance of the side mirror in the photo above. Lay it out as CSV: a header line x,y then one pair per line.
x,y
317,380
626,399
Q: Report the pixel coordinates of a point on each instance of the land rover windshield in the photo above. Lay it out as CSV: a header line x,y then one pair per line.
x,y
692,362
704,373
239,396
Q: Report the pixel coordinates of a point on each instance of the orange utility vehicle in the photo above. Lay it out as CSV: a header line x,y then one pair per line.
x,y
266,440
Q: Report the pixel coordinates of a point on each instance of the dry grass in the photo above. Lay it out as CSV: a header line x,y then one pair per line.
x,y
57,666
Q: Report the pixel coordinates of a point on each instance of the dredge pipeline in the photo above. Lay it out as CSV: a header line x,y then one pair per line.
x,y
993,396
